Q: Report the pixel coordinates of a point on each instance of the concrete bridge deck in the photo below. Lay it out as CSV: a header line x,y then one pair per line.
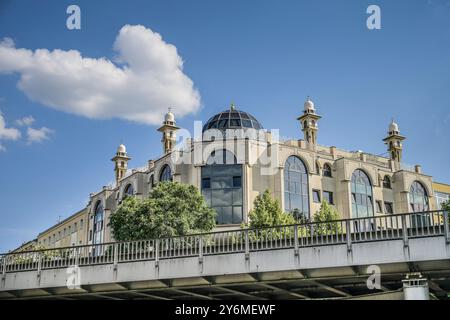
x,y
316,260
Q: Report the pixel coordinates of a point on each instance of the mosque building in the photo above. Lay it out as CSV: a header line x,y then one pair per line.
x,y
235,160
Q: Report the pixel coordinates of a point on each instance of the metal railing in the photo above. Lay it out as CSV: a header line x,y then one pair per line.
x,y
346,231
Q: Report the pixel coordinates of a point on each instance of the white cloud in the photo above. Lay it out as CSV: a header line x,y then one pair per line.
x,y
8,133
146,79
38,135
25,121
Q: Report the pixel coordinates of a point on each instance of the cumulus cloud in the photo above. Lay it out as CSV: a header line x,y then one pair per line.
x,y
25,121
8,133
38,135
146,78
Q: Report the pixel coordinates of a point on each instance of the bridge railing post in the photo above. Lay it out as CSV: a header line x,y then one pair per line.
x,y
4,265
296,240
157,253
405,230
200,249
115,254
39,266
247,245
446,227
348,234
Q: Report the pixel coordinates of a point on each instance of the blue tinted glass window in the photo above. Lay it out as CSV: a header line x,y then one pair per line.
x,y
166,174
296,186
247,123
361,189
222,187
235,123
206,183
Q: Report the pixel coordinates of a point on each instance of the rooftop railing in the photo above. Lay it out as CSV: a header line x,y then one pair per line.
x,y
347,231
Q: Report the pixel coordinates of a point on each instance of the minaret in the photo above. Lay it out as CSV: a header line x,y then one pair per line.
x,y
308,121
168,130
121,162
394,142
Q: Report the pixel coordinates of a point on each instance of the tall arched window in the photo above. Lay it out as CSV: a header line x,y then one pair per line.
x,y
362,200
327,170
222,186
418,197
98,223
296,186
387,182
166,174
152,181
129,190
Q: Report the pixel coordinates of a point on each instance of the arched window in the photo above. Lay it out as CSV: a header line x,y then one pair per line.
x,y
166,174
418,198
152,181
296,186
327,170
222,186
129,190
387,182
362,200
98,223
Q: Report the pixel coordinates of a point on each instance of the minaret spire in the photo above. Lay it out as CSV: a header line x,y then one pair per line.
x,y
121,162
308,121
168,130
394,142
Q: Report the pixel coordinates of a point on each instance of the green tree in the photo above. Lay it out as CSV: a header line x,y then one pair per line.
x,y
446,206
172,209
325,220
267,212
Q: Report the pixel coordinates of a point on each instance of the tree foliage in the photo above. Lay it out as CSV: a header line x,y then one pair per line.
x,y
323,218
446,206
267,212
172,209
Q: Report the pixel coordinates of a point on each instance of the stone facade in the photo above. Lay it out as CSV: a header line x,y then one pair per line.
x,y
326,173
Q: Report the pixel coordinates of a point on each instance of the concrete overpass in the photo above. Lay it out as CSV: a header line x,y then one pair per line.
x,y
331,260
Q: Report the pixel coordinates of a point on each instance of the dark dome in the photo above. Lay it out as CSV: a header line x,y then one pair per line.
x,y
232,119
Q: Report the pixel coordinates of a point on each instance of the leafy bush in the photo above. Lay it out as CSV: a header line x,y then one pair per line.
x,y
172,209
323,218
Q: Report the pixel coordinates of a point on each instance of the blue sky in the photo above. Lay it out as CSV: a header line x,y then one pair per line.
x,y
266,56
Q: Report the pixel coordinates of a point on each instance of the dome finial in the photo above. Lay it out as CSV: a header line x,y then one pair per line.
x,y
393,127
169,117
232,106
309,105
121,148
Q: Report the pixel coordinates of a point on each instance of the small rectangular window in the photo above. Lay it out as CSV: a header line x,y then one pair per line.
x,y
379,206
206,183
328,196
316,196
389,208
90,235
237,182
